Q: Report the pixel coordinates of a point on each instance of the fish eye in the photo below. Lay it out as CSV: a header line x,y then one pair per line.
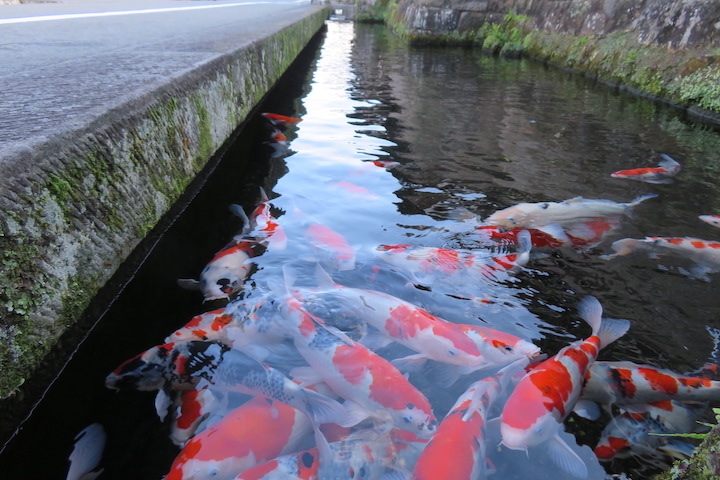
x,y
452,353
508,348
223,282
406,418
432,425
410,406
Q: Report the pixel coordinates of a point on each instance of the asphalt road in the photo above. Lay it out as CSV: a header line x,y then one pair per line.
x,y
63,63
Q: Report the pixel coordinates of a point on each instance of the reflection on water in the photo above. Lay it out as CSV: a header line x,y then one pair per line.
x,y
416,147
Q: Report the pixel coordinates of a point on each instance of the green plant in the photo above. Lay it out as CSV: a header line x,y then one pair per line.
x,y
702,87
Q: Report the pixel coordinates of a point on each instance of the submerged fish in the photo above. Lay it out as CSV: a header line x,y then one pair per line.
x,y
280,120
574,210
544,397
87,453
713,220
663,173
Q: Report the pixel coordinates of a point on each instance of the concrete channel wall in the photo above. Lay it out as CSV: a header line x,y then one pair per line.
x,y
75,206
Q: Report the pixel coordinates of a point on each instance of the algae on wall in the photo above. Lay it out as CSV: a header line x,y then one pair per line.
x,y
74,207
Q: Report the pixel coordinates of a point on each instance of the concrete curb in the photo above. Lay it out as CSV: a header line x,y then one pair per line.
x,y
73,207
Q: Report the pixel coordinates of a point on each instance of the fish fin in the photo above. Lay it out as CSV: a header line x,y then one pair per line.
x,y
565,457
305,375
87,452
410,364
238,211
325,452
188,283
612,329
447,374
476,402
263,195
590,310
669,164
162,404
587,409
324,280
555,231
355,413
642,198
322,409
677,449
375,340
700,272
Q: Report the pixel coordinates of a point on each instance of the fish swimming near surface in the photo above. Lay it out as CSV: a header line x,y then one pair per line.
x,y
663,173
256,431
280,120
371,385
87,453
713,220
226,272
574,210
264,227
627,383
544,397
704,253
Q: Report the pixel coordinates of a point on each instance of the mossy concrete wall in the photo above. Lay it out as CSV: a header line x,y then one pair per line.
x,y
73,208
664,49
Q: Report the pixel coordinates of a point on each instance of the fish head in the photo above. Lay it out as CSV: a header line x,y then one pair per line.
x,y
518,438
420,421
220,284
506,351
145,371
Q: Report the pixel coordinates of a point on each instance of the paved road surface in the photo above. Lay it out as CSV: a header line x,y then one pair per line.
x,y
63,63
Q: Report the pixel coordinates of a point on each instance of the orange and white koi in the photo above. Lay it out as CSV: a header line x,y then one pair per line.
x,y
713,220
233,444
421,261
457,450
663,173
625,383
370,385
544,397
281,120
574,210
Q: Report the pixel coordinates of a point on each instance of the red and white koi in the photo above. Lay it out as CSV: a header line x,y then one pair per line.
x,y
191,409
264,227
402,322
663,173
462,263
625,383
648,431
574,210
457,450
370,385
704,253
281,120
713,220
233,444
544,397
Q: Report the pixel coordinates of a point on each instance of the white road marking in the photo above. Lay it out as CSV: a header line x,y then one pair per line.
x,y
45,18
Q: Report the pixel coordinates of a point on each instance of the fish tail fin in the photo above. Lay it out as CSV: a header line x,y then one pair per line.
x,y
238,211
524,247
263,195
590,310
612,329
669,163
642,198
322,409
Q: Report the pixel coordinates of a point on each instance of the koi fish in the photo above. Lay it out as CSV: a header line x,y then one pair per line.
x,y
233,445
457,449
624,383
264,228
332,249
663,173
574,210
713,220
206,326
197,365
544,397
459,262
646,432
226,272
281,120
364,455
370,385
87,453
704,253
399,321
580,236
192,409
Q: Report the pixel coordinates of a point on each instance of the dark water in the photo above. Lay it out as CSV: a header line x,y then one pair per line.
x,y
471,135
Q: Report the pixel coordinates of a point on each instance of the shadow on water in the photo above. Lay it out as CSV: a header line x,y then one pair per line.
x,y
414,146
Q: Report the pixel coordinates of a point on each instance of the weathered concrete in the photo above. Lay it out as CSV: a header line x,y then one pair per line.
x,y
73,206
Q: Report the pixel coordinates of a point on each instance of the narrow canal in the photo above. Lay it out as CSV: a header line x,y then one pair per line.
x,y
418,147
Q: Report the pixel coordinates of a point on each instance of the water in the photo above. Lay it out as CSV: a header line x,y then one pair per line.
x,y
470,135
